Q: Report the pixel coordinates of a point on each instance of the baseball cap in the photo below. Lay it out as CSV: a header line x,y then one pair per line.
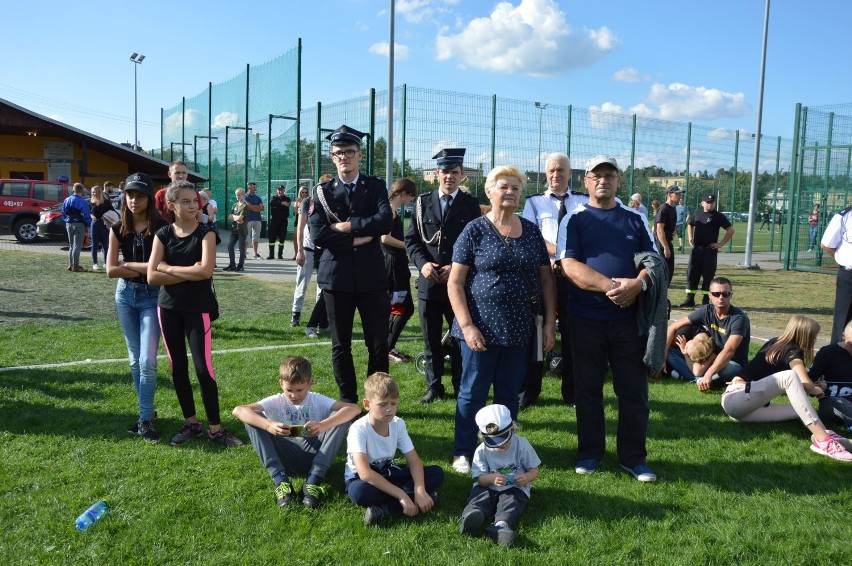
x,y
601,160
709,198
495,425
139,182
674,189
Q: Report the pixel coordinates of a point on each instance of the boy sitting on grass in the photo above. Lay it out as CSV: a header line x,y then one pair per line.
x,y
372,479
504,466
297,432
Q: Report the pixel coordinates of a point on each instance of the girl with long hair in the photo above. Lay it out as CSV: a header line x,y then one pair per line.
x,y
777,368
100,233
135,298
402,193
182,261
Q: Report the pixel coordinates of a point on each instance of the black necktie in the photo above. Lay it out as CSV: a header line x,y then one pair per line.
x,y
349,188
562,210
448,200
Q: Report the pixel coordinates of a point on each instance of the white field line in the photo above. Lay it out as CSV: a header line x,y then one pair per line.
x,y
163,356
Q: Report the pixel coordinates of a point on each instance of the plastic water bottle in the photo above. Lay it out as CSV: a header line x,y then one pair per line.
x,y
91,515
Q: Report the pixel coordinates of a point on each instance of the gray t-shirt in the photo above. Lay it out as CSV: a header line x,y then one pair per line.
x,y
735,324
517,459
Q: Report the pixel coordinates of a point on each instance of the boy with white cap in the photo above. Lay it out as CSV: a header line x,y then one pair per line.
x,y
504,467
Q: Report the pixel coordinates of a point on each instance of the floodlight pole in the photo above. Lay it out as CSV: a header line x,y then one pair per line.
x,y
752,200
136,59
389,151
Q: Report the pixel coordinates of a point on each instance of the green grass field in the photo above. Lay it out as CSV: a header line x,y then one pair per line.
x,y
728,493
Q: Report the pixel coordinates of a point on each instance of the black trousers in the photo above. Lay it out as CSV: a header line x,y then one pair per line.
x,y
374,308
531,389
702,265
433,314
842,303
594,343
397,322
670,262
277,230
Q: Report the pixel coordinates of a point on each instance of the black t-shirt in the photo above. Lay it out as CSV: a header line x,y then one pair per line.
x,y
833,364
759,367
279,208
98,210
707,225
667,215
186,296
137,248
396,232
735,324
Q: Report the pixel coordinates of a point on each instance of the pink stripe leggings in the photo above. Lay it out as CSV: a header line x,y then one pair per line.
x,y
178,328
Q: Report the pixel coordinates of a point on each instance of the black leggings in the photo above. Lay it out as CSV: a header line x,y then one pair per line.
x,y
398,321
195,327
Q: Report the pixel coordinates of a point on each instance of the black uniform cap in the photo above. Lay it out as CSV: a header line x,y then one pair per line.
x,y
344,135
449,158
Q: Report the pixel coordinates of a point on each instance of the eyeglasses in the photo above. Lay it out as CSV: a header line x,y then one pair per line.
x,y
598,178
349,153
718,294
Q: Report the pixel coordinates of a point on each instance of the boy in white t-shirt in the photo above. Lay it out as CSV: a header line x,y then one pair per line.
x,y
504,466
297,432
372,479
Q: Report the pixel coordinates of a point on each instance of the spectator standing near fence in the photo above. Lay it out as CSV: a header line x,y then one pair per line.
x,y
813,225
665,220
254,205
77,216
703,232
279,217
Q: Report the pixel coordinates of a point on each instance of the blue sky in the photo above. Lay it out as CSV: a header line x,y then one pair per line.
x,y
671,59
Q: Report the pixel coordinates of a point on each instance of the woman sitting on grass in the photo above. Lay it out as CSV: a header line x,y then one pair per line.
x,y
833,367
779,367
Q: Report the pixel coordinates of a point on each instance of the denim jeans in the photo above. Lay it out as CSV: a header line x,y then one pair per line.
x,y
136,304
303,279
502,366
100,240
76,236
677,362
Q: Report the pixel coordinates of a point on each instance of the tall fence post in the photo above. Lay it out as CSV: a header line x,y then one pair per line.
x,y
733,198
404,129
493,129
568,140
775,198
795,182
318,146
182,127
633,154
686,178
371,147
298,123
246,166
162,139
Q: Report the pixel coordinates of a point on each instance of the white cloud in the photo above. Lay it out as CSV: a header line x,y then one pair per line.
x,y
679,101
400,52
626,75
225,119
175,122
415,11
720,134
532,38
642,110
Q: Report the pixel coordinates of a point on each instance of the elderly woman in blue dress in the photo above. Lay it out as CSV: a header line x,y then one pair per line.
x,y
499,281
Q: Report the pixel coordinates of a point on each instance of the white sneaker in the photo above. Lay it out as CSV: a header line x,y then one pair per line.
x,y
95,267
461,465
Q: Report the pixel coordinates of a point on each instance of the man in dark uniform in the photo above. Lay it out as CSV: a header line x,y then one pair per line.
x,y
347,218
279,217
702,230
837,243
439,218
664,228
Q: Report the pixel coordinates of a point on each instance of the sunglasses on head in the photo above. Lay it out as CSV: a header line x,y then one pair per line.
x,y
718,294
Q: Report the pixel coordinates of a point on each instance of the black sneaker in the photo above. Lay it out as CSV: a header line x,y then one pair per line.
x,y
224,438
134,428
503,536
146,431
296,320
187,432
284,494
471,522
374,515
311,495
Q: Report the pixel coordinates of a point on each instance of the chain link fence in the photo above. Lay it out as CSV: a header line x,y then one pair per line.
x,y
253,127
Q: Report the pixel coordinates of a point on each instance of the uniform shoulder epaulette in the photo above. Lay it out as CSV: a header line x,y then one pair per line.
x,y
536,195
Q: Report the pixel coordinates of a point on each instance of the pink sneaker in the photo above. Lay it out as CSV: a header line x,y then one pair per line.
x,y
831,448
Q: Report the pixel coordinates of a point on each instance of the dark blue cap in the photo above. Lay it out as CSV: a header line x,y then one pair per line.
x,y
344,135
449,158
